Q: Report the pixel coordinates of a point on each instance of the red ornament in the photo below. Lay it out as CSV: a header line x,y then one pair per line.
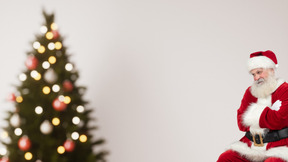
x,y
24,143
69,145
11,97
59,105
4,159
31,62
68,86
55,34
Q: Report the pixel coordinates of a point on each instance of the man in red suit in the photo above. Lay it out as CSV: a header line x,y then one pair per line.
x,y
263,115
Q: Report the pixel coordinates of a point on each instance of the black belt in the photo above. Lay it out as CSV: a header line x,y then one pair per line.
x,y
271,136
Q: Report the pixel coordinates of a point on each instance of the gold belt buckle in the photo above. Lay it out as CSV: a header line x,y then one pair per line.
x,y
256,143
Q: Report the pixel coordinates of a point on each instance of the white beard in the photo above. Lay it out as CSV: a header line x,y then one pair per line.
x,y
265,89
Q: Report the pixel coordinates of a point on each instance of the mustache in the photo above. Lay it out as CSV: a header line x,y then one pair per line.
x,y
261,80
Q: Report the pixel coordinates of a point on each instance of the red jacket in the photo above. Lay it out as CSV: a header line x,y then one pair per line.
x,y
261,115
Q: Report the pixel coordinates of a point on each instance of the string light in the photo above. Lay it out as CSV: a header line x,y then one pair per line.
x,y
67,99
61,98
75,135
38,110
18,131
36,45
75,120
80,109
54,26
58,45
49,35
55,88
34,74
52,59
61,150
4,134
46,90
41,49
19,99
83,138
43,29
55,121
46,65
28,156
69,67
22,77
51,46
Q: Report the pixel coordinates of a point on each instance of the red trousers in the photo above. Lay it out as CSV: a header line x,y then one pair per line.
x,y
232,156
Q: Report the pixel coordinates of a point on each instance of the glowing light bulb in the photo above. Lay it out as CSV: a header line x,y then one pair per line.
x,y
75,120
34,74
55,88
55,121
38,77
28,155
36,45
22,77
4,134
69,67
18,131
58,45
54,26
49,35
41,49
46,90
61,150
52,59
80,109
67,99
46,65
83,138
43,29
38,110
19,99
61,98
75,135
51,46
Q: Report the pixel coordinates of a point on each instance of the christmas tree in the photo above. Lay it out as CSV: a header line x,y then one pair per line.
x,y
50,119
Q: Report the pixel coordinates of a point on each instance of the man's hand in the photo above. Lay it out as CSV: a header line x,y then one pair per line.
x,y
276,105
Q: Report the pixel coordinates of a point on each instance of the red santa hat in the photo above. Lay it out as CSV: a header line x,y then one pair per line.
x,y
262,59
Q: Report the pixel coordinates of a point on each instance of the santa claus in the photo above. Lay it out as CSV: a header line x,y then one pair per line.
x,y
263,115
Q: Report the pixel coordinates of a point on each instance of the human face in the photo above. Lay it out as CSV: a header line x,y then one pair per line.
x,y
260,74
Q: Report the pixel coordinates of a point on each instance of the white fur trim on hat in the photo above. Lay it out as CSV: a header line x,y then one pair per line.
x,y
260,62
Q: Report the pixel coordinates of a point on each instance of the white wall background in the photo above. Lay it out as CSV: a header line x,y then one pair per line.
x,y
165,76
